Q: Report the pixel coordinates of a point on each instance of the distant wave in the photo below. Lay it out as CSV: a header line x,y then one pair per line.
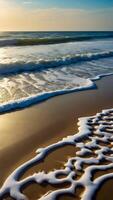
x,y
52,40
19,67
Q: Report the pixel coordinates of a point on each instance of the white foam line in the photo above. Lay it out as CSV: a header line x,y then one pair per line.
x,y
37,98
27,101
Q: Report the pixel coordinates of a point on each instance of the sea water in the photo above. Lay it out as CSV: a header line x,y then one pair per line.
x,y
37,65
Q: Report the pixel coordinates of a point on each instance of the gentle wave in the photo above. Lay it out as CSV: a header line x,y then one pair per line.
x,y
48,40
27,101
19,67
33,99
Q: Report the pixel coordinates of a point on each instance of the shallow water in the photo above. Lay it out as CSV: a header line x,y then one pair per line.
x,y
32,73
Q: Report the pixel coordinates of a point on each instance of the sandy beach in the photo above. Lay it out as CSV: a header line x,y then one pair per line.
x,y
24,131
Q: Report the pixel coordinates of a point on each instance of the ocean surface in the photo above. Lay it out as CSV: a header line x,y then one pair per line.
x,y
37,65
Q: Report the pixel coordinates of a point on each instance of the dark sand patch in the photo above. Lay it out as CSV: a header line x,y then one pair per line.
x,y
105,191
55,160
34,191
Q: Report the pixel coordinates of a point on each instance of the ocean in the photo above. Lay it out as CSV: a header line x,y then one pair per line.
x,y
35,66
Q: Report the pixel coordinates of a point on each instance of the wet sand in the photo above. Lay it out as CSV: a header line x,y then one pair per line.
x,y
106,190
22,132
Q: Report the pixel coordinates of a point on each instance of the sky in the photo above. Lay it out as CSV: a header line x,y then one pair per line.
x,y
56,15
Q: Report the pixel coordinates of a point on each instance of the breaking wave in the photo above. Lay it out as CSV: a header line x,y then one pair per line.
x,y
39,65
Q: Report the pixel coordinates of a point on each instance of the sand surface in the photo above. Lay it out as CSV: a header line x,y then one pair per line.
x,y
22,132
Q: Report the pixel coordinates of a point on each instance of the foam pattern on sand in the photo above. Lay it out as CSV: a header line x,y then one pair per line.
x,y
95,142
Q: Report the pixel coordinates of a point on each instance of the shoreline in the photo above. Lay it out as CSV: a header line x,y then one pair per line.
x,y
40,98
59,117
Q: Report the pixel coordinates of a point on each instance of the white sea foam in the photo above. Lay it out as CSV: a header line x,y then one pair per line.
x,y
11,104
96,129
14,66
22,90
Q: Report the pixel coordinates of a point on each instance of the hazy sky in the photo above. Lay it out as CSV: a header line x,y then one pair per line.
x,y
56,15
